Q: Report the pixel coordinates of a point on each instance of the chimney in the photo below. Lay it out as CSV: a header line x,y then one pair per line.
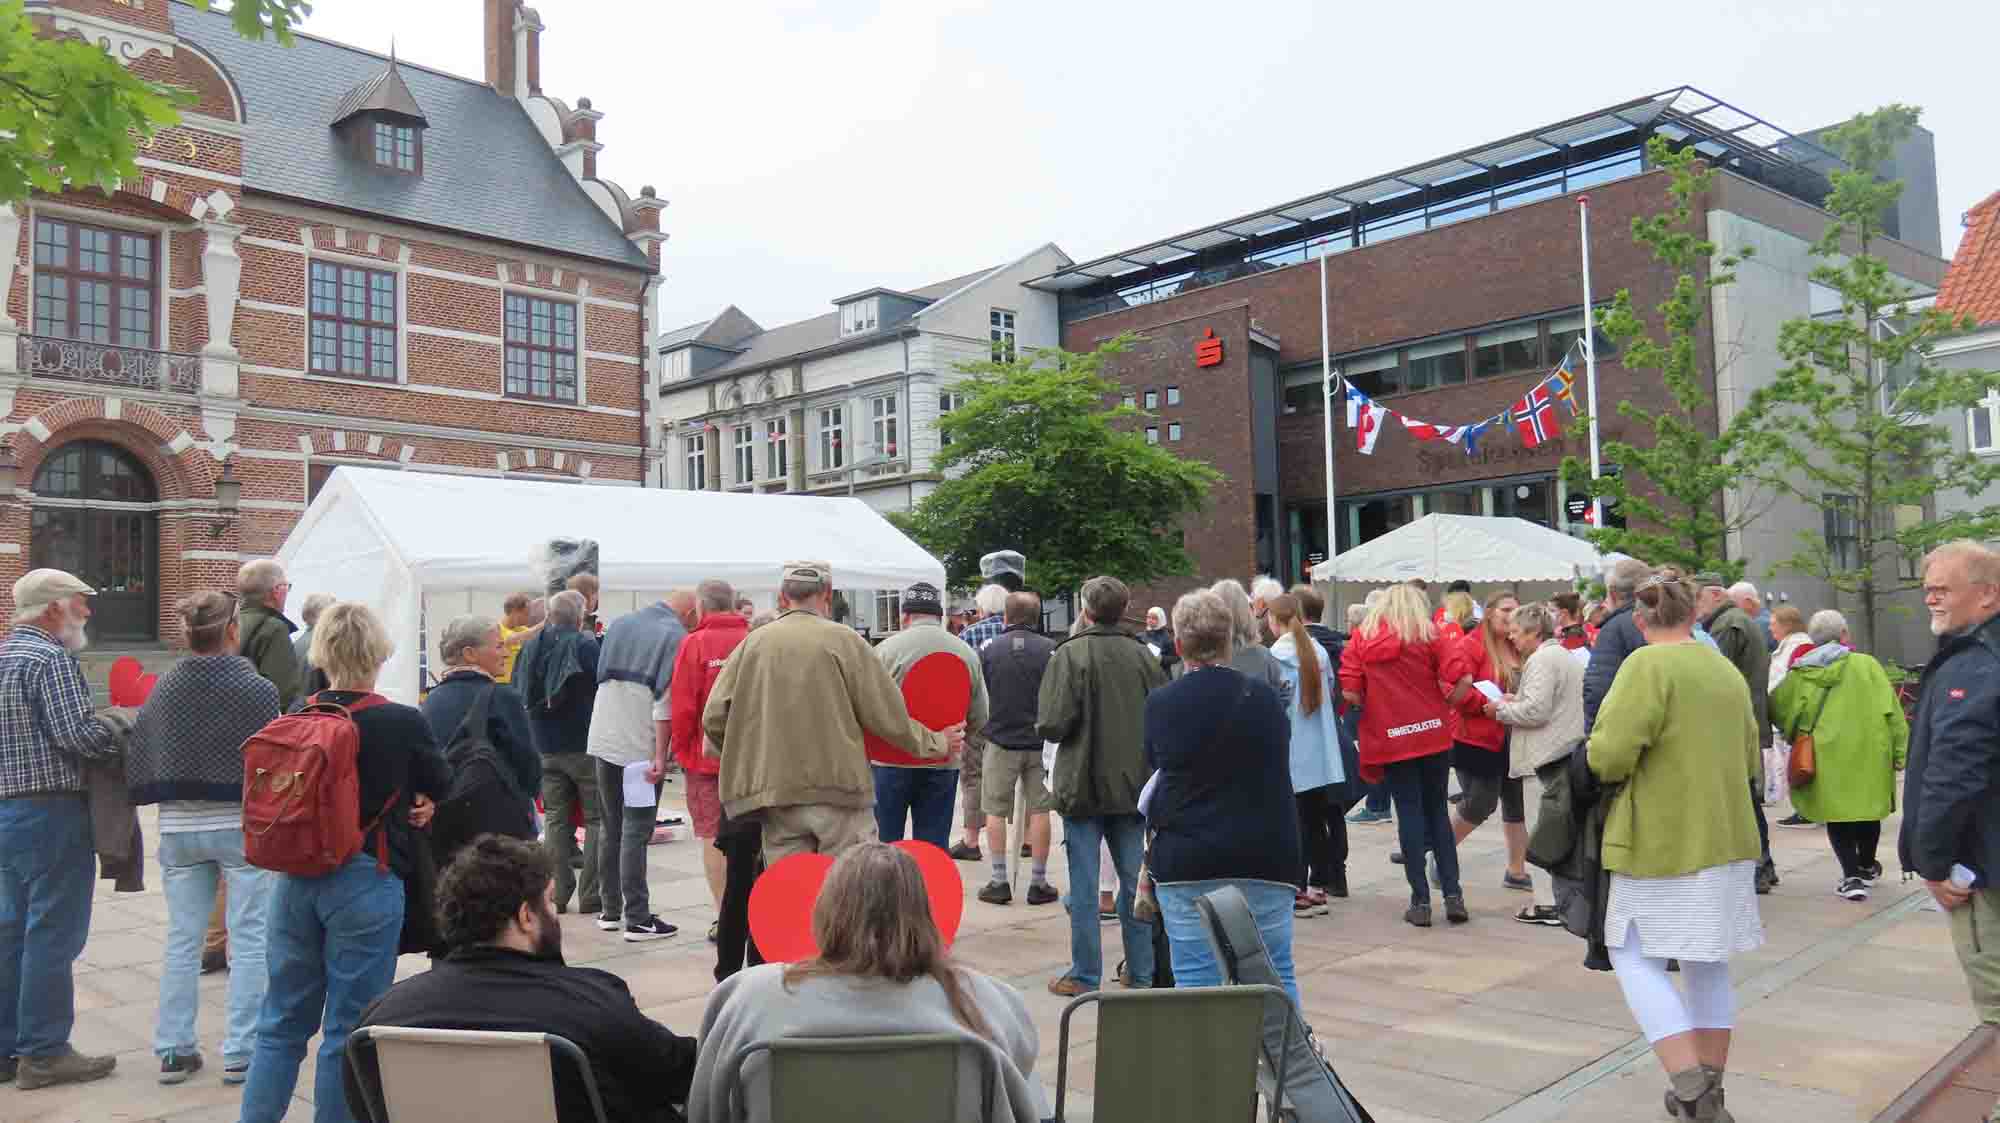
x,y
499,27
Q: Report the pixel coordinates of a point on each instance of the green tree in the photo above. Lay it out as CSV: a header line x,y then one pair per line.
x,y
1856,408
1037,465
1671,492
71,115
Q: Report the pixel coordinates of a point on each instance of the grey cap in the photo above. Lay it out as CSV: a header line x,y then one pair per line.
x,y
39,587
1006,568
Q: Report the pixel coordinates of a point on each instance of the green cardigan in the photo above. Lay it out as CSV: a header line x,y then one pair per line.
x,y
1860,742
1678,730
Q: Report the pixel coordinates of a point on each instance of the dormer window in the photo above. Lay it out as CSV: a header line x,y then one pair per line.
x,y
396,146
382,123
859,316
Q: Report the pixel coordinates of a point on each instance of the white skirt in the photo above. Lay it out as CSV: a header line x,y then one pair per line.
x,y
1704,917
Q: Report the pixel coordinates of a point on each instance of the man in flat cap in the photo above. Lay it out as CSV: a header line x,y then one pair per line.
x,y
47,867
907,786
787,718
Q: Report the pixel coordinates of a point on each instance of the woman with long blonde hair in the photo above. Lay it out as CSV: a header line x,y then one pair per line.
x,y
882,968
1392,670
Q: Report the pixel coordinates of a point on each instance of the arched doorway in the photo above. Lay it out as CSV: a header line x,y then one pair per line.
x,y
96,515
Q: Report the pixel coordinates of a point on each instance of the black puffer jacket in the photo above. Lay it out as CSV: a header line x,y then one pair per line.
x,y
1618,638
1953,778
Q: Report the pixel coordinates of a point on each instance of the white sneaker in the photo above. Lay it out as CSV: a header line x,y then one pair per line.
x,y
608,923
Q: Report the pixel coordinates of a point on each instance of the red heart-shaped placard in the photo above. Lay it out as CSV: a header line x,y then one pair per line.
x,y
144,689
124,681
781,903
937,690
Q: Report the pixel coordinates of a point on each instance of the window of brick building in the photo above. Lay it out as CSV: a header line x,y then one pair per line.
x,y
1173,395
541,348
1173,431
353,322
396,147
94,284
1507,350
1152,434
745,439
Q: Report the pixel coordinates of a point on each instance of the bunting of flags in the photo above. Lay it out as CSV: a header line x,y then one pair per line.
x,y
1534,415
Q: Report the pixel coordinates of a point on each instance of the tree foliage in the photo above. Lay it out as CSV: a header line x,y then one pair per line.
x,y
1036,464
1671,491
71,115
1856,409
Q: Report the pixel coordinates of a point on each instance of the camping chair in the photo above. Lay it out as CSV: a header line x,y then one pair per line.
x,y
901,1078
1313,1093
419,1075
1164,1056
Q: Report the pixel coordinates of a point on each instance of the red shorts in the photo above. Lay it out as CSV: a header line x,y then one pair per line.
x,y
704,797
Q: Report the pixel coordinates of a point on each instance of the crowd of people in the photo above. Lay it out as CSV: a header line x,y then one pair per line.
x,y
1230,742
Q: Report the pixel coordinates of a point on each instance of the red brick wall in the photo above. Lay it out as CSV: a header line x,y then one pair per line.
x,y
1517,264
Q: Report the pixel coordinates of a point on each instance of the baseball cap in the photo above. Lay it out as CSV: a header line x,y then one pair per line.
x,y
39,587
807,571
1709,577
923,599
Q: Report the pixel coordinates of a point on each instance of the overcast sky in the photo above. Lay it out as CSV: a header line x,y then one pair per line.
x,y
807,150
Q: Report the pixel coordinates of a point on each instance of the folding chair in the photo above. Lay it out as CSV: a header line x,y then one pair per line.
x,y
901,1078
1172,1056
1313,1093
419,1075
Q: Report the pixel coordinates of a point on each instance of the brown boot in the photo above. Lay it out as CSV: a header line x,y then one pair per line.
x,y
1673,1112
1697,1093
66,1067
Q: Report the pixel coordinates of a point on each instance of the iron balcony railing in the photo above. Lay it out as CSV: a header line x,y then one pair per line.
x,y
76,360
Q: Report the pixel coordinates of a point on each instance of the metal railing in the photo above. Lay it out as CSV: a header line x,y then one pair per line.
x,y
76,360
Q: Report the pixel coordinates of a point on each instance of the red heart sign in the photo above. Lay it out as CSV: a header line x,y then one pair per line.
x,y
781,903
144,689
124,681
937,690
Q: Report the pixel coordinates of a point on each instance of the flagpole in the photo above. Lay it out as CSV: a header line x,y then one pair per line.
x,y
1590,360
1326,389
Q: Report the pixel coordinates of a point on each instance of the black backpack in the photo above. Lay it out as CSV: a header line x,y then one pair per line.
x,y
483,798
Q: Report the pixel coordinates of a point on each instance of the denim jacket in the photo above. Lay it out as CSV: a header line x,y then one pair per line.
x,y
1315,736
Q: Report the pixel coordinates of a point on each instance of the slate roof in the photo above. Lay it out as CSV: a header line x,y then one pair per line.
x,y
1972,282
786,340
487,171
386,93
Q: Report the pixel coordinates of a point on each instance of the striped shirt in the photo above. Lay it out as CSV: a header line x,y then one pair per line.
x,y
47,729
186,816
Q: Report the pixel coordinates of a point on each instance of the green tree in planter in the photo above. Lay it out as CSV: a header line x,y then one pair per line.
x,y
71,115
1034,463
1671,491
1856,410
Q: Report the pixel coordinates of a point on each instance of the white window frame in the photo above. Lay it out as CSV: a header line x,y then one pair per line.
x,y
1152,399
883,424
744,437
1990,406
1173,432
1000,331
1152,434
778,453
694,449
832,428
948,400
859,316
1173,395
888,610
677,365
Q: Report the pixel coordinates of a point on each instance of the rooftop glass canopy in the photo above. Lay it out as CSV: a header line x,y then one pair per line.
x,y
1566,156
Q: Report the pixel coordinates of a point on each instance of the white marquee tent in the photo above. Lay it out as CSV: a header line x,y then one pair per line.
x,y
424,547
1477,548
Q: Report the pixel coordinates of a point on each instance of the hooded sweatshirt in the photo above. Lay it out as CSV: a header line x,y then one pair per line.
x,y
1403,711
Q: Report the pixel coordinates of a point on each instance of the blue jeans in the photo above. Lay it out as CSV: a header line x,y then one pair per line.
x,y
332,951
46,877
192,865
926,796
1423,821
1195,964
1127,837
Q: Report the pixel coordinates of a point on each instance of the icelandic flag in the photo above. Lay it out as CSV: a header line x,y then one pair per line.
x,y
1562,384
1535,417
1369,426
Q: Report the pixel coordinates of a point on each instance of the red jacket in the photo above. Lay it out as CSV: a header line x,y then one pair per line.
x,y
1403,713
696,668
1464,657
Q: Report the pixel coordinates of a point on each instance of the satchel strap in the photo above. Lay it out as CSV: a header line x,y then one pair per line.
x,y
1824,694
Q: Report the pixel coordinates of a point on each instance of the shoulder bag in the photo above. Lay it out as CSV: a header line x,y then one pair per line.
x,y
1803,764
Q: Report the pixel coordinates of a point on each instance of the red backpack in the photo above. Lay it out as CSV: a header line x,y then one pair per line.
x,y
302,791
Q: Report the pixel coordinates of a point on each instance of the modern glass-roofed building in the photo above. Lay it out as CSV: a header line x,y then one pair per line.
x,y
1455,286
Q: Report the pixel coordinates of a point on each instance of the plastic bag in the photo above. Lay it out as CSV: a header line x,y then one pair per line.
x,y
560,559
1776,789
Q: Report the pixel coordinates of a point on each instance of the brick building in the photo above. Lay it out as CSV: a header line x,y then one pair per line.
x,y
1453,288
333,258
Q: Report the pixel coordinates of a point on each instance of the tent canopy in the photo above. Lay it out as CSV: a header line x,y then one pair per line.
x,y
1440,547
415,544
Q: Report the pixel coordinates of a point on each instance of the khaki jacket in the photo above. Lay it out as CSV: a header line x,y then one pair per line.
x,y
1093,704
788,711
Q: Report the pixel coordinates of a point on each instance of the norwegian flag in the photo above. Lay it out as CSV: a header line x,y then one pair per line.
x,y
1535,417
1369,427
